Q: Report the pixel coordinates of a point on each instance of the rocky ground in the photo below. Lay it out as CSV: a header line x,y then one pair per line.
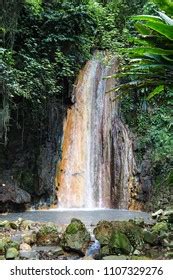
x,y
133,239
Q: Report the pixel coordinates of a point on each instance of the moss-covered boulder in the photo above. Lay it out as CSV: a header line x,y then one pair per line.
x,y
150,237
103,232
131,230
76,237
48,235
120,244
160,228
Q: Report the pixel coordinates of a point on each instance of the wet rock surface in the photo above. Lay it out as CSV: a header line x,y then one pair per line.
x,y
13,197
118,240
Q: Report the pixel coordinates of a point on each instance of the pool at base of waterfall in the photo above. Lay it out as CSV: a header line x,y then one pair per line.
x,y
87,216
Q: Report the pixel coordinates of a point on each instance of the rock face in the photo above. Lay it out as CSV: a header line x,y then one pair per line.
x,y
12,197
29,159
76,237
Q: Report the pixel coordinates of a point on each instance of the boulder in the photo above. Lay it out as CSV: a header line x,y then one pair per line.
x,y
120,244
103,232
150,237
48,235
76,237
12,196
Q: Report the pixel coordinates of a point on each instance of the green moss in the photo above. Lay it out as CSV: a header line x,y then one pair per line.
x,y
160,227
75,226
119,243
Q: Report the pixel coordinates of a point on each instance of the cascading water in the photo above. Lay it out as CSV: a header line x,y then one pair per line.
x,y
97,159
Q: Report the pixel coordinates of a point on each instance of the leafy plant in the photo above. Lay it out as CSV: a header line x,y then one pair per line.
x,y
151,61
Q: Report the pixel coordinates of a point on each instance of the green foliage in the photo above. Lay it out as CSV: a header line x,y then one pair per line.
x,y
165,5
151,59
45,43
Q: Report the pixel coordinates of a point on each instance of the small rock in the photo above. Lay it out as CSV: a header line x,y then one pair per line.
x,y
157,214
114,257
26,225
58,251
87,258
137,253
17,237
14,225
12,253
139,258
25,247
28,255
4,224
30,238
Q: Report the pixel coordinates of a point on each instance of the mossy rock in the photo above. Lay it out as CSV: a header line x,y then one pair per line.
x,y
11,253
105,250
160,227
14,225
26,225
103,232
120,244
5,224
150,237
131,230
76,237
48,235
30,238
139,258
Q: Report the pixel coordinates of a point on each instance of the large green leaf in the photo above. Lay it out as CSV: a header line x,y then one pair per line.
x,y
159,89
146,51
147,18
142,29
161,28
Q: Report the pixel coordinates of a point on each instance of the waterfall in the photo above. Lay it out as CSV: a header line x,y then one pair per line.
x,y
97,160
